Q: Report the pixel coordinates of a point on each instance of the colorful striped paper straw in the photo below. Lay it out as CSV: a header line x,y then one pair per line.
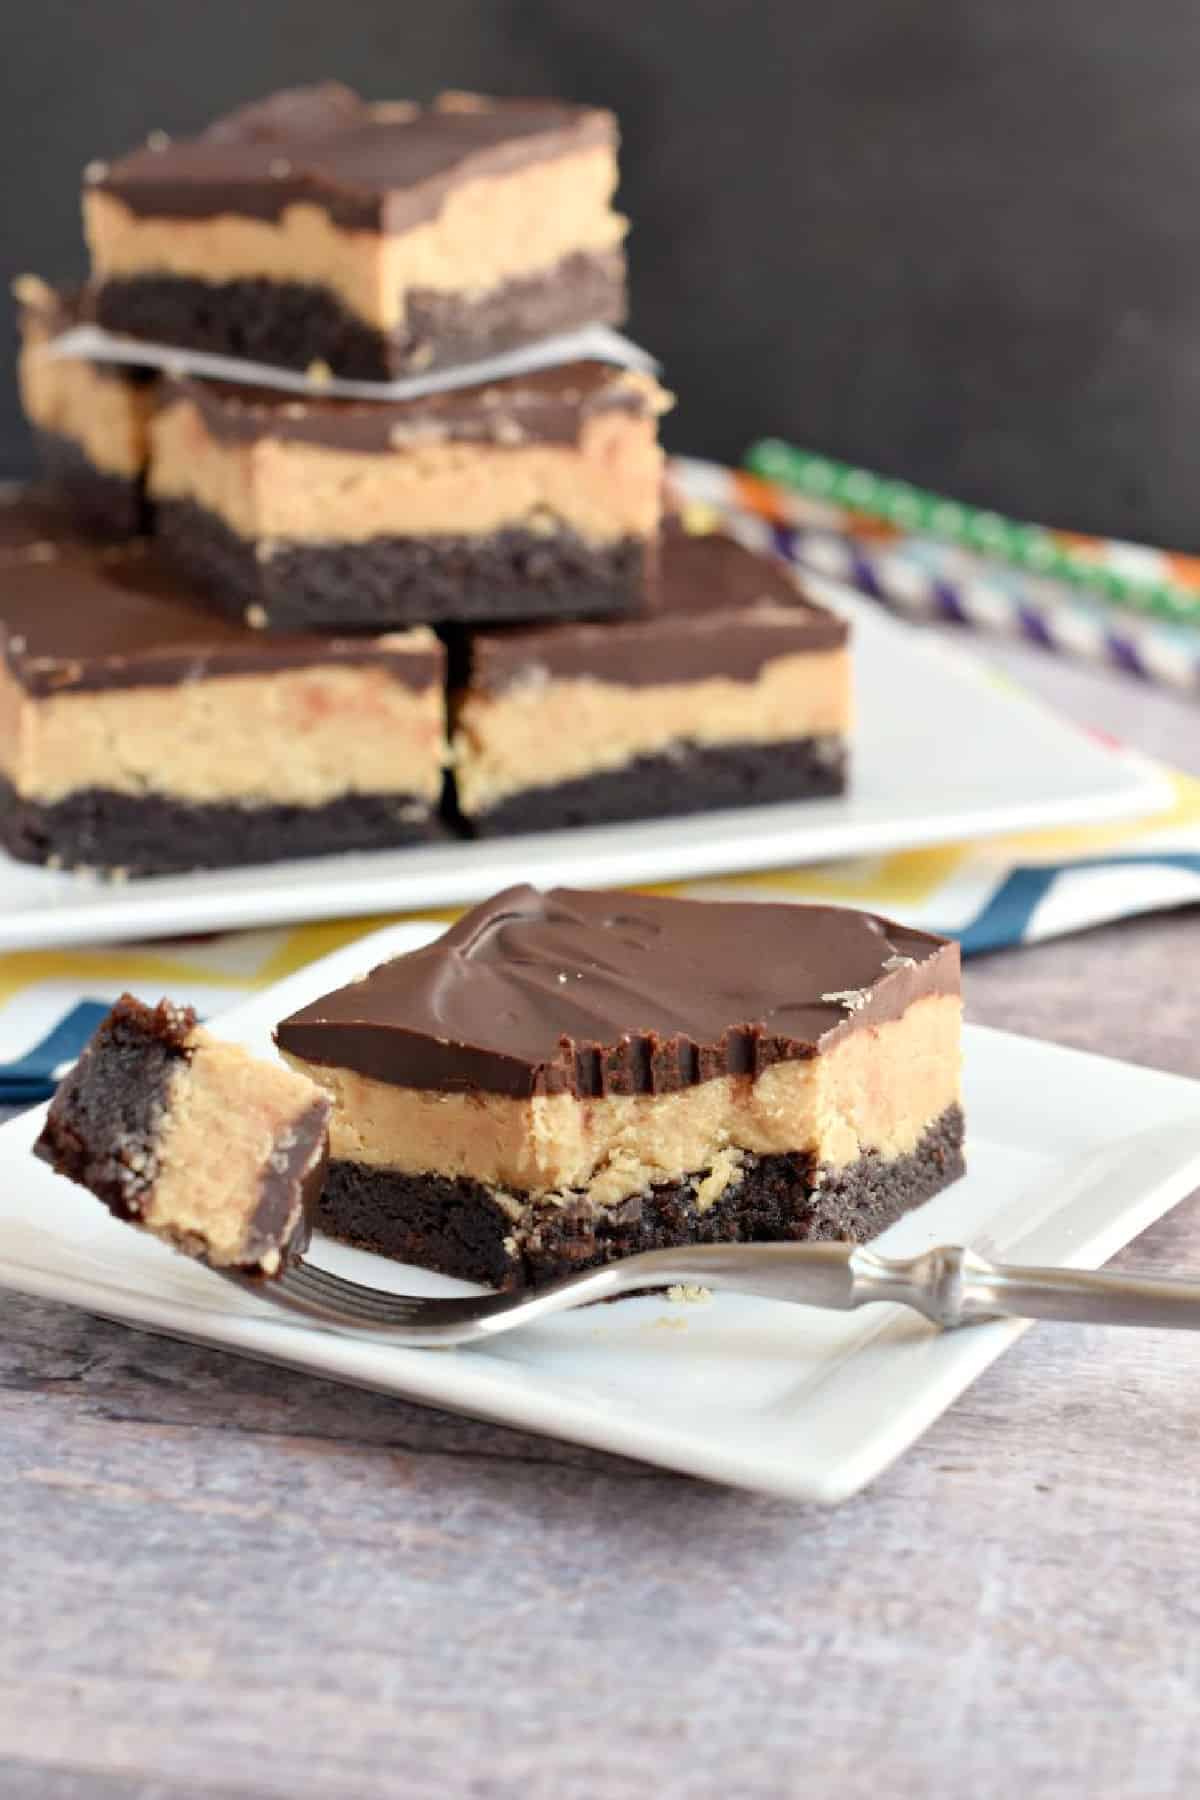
x,y
921,554
1162,583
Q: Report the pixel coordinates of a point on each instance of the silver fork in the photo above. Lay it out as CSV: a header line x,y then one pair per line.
x,y
950,1286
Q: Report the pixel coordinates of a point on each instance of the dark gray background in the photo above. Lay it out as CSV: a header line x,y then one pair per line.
x,y
955,240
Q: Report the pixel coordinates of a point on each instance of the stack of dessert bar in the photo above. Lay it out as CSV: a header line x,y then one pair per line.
x,y
331,618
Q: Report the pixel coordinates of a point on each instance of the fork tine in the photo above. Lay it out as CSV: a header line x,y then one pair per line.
x,y
321,1294
418,1320
306,1278
338,1290
320,1287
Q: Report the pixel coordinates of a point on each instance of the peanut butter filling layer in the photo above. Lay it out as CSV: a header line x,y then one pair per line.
x,y
300,737
605,487
878,1089
108,418
540,734
205,1203
488,231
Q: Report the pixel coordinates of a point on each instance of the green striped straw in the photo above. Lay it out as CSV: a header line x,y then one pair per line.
x,y
917,510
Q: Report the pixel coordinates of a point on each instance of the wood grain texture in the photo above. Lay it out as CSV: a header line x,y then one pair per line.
x,y
229,1580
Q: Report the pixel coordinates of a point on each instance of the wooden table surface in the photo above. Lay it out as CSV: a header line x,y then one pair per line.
x,y
225,1579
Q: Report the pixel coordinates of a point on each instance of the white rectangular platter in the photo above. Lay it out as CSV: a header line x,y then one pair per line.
x,y
943,752
1070,1156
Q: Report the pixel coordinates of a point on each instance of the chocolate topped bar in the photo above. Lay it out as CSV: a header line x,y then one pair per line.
x,y
316,227
529,498
139,733
567,1077
733,691
77,626
89,419
597,993
369,169
719,609
137,1120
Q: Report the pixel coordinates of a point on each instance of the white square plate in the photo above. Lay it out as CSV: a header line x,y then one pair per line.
x,y
1070,1157
943,752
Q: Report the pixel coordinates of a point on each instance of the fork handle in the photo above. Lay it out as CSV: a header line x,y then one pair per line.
x,y
950,1285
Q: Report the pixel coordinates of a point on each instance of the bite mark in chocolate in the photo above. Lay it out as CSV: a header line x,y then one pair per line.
x,y
659,995
566,1077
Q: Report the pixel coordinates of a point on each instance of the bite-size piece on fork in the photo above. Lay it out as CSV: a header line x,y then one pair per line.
x,y
216,1152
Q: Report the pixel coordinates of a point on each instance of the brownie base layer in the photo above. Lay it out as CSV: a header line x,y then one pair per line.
x,y
155,835
390,581
95,500
457,1227
106,1115
294,324
697,778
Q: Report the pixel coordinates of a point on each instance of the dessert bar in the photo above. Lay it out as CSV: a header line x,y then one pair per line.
x,y
138,1121
568,1077
139,734
734,692
376,240
530,498
89,420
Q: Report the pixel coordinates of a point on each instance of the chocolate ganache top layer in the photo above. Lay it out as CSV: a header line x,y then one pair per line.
x,y
719,610
547,406
70,624
385,168
597,993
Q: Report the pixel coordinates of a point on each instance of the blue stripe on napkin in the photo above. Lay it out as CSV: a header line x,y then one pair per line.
x,y
1006,918
33,1077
